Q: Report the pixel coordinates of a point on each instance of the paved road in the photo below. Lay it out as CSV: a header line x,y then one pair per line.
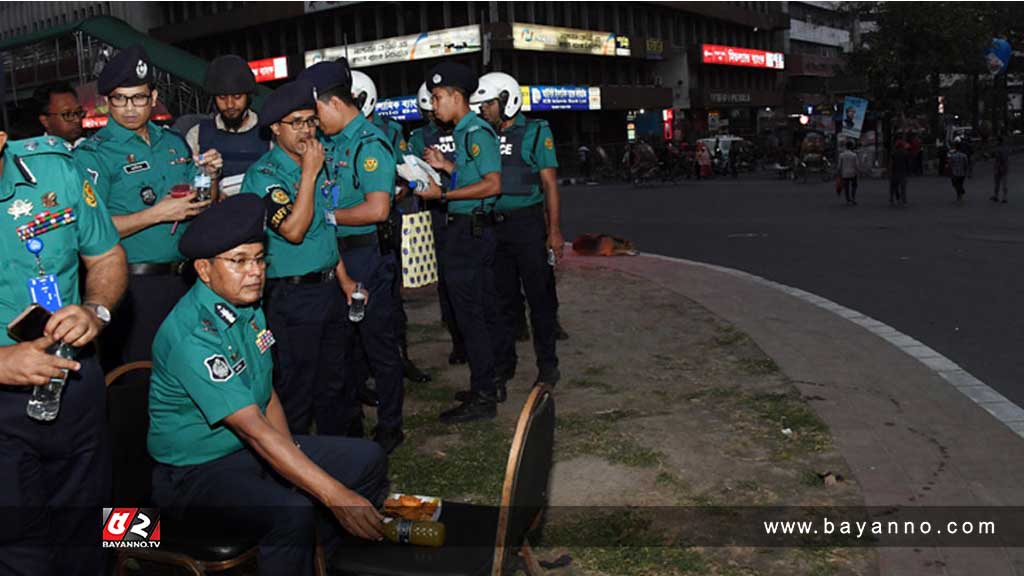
x,y
951,276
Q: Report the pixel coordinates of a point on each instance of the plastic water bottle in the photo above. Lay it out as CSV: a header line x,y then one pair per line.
x,y
45,401
402,531
357,309
418,185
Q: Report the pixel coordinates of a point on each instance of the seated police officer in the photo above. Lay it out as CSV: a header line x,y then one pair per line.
x,y
217,429
54,475
303,302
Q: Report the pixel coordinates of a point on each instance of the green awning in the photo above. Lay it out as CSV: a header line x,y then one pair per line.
x,y
177,62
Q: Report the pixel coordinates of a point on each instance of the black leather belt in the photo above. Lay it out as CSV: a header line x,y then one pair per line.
x,y
468,218
532,210
312,278
346,243
161,269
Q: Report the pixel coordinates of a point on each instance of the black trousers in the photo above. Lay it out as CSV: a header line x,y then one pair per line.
x,y
309,370
55,479
437,218
468,268
136,319
240,494
521,261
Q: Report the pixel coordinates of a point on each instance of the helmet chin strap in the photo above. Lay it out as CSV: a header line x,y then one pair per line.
x,y
360,101
502,102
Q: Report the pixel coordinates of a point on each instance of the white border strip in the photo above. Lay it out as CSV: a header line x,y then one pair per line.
x,y
980,393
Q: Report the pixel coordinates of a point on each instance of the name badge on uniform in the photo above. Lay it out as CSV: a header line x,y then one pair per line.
x,y
136,167
329,216
45,292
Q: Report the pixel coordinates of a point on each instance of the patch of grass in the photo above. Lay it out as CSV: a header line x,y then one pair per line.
x,y
810,479
758,366
593,435
728,336
788,410
716,393
588,383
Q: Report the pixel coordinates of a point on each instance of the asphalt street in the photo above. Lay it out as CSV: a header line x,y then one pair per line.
x,y
950,275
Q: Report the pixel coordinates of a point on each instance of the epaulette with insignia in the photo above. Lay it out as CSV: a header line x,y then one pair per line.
x,y
92,143
39,145
266,169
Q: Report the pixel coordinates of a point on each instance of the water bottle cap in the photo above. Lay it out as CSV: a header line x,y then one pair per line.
x,y
412,185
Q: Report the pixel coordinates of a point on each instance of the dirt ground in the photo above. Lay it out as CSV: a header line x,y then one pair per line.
x,y
663,410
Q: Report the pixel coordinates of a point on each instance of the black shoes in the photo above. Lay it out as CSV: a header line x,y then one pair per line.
x,y
501,393
411,372
549,377
388,438
479,406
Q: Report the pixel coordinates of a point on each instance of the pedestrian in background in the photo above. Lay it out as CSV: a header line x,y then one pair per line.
x,y
848,172
899,168
958,162
1000,169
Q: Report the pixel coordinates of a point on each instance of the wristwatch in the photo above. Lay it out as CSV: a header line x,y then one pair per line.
x,y
101,311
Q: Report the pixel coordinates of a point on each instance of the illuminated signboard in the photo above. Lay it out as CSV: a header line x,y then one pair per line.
x,y
399,109
571,40
434,44
542,98
733,56
269,68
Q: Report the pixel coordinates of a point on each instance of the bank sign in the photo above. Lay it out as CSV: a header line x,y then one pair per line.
x,y
434,44
747,57
399,109
542,98
568,40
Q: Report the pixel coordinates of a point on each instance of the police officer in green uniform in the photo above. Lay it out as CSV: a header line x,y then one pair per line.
x,y
435,134
133,163
527,225
303,301
361,168
364,92
54,475
469,240
217,428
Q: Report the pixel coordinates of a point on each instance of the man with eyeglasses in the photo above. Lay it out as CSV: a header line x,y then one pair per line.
x,y
360,167
235,131
59,112
133,164
226,459
303,302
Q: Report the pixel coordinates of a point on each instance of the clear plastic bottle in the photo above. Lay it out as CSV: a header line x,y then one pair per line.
x,y
44,405
202,184
357,309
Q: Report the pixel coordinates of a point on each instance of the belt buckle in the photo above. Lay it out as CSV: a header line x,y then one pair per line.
x,y
499,217
329,275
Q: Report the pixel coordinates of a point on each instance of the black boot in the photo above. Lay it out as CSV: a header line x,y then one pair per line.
x,y
550,377
501,393
388,438
410,370
480,406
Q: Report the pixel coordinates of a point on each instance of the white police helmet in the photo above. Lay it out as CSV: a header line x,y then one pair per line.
x,y
500,86
364,92
423,98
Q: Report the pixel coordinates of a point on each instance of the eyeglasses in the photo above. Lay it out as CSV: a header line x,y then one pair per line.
x,y
242,264
121,100
69,115
300,123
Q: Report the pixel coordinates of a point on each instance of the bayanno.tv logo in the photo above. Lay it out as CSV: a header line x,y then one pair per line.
x,y
131,527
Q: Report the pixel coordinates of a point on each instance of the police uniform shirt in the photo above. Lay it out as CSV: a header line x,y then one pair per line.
x,y
131,176
210,359
60,209
360,161
537,150
392,131
476,153
275,177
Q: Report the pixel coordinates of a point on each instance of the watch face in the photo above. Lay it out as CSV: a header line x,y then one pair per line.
x,y
102,313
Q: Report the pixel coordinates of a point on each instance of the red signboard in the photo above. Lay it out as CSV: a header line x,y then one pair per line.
x,y
270,68
749,57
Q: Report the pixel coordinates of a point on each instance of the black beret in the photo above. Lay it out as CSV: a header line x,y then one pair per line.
x,y
296,95
326,75
229,74
129,68
452,75
239,219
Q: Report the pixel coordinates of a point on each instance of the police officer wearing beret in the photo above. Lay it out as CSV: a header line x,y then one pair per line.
x,y
55,475
235,131
218,431
469,241
435,134
132,164
361,168
303,302
527,225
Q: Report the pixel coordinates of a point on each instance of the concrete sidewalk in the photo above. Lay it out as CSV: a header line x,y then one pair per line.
x,y
914,429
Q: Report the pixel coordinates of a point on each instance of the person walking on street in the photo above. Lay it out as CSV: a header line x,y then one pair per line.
x,y
899,167
1001,170
848,172
958,162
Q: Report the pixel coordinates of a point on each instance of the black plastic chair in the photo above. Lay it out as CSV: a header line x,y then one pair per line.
x,y
480,540
128,425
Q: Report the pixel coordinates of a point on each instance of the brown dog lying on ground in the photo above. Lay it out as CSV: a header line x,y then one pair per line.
x,y
602,245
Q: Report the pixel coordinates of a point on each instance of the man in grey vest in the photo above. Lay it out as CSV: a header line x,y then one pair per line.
x,y
235,130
